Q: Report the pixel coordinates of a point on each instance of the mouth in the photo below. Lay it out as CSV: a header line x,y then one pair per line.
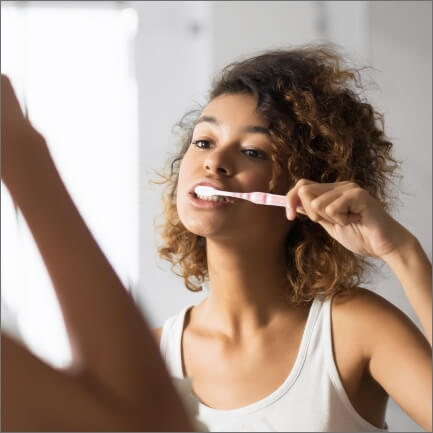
x,y
213,202
209,202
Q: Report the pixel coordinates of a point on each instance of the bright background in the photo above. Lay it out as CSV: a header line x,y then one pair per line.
x,y
106,81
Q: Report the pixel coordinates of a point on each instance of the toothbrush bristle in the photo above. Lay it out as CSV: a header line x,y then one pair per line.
x,y
204,190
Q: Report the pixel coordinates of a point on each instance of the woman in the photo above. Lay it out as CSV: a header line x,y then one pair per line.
x,y
259,347
287,340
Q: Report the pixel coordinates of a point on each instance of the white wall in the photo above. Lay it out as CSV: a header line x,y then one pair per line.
x,y
80,90
400,48
171,61
242,28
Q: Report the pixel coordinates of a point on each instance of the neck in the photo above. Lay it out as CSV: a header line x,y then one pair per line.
x,y
248,286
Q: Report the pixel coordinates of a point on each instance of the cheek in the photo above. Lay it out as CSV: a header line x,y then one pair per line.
x,y
183,184
256,181
188,165
184,170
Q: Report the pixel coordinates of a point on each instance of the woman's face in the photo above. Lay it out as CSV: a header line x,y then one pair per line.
x,y
230,150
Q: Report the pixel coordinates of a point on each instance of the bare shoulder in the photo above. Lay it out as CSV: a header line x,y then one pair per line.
x,y
372,318
396,354
362,302
365,309
157,334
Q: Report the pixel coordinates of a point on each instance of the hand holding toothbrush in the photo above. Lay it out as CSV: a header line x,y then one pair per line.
x,y
346,211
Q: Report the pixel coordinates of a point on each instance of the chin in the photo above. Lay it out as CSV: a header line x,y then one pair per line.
x,y
199,226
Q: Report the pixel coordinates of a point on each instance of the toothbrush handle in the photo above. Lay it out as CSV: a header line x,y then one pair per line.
x,y
275,200
264,198
267,199
281,200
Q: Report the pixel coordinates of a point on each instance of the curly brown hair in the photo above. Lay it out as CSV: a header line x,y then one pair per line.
x,y
322,129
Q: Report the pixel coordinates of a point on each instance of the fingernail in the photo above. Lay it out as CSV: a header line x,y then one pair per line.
x,y
289,212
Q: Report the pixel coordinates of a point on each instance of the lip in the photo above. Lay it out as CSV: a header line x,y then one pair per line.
x,y
215,185
207,204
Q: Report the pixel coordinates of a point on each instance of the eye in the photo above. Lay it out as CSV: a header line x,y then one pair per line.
x,y
202,144
253,153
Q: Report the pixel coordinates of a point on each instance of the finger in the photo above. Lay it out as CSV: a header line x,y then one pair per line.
x,y
325,205
293,200
291,214
306,196
342,208
313,190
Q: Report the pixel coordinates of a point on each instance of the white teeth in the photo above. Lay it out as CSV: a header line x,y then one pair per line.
x,y
211,198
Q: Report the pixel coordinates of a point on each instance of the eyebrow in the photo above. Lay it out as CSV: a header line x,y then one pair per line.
x,y
252,129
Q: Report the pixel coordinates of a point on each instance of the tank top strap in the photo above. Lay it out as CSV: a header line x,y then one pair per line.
x,y
319,348
171,342
332,370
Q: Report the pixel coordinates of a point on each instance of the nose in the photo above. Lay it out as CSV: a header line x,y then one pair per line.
x,y
218,162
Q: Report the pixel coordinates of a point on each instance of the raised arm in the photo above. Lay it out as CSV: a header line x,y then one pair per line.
x,y
413,269
112,344
399,355
401,359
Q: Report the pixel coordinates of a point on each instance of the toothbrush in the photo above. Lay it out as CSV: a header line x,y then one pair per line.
x,y
255,197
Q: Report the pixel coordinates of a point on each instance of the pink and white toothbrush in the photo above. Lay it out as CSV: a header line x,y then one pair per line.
x,y
255,197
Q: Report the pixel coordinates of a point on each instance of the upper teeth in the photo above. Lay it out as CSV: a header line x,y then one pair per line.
x,y
211,198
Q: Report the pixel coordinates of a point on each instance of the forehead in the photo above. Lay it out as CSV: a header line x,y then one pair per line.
x,y
238,108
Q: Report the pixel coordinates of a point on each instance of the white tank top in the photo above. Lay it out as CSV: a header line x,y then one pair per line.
x,y
311,399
